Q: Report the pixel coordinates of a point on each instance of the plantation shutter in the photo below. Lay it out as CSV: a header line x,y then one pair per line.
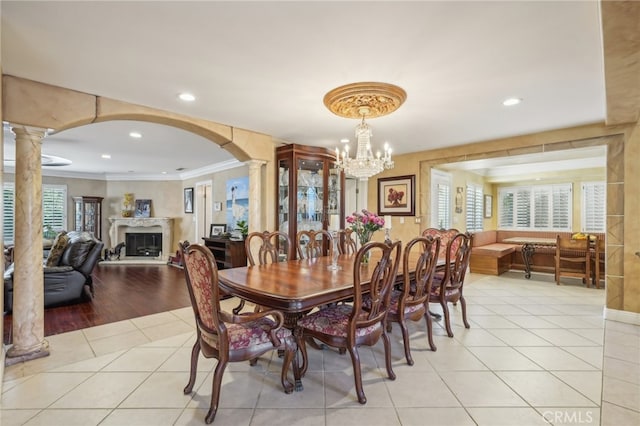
x,y
562,207
474,208
505,209
7,221
523,208
594,202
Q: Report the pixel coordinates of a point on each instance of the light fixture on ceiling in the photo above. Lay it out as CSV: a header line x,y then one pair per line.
x,y
187,97
511,101
135,135
364,100
106,156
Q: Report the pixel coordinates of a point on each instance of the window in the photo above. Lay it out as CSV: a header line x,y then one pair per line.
x,y
441,199
474,208
54,208
594,202
538,207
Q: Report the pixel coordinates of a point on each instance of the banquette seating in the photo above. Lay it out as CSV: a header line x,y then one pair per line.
x,y
491,255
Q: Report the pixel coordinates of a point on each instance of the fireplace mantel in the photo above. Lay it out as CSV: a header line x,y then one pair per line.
x,y
121,225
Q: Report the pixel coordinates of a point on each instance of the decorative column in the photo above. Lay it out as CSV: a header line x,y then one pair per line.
x,y
256,220
28,279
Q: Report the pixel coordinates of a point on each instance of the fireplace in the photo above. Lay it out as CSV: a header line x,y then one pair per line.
x,y
158,226
143,244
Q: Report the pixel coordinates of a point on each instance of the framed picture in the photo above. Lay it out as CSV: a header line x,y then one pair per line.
x,y
217,229
488,205
217,206
143,208
397,196
188,200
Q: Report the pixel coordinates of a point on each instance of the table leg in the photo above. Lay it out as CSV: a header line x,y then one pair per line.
x,y
528,250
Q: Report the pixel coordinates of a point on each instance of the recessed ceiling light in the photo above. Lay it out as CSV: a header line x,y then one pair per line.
x,y
187,97
345,140
135,135
106,156
511,101
164,173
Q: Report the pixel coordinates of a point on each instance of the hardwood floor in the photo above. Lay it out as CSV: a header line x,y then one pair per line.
x,y
121,292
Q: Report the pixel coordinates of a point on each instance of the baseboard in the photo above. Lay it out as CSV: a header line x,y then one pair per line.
x,y
622,316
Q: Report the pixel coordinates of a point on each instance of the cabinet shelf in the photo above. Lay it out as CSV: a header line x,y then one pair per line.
x,y
87,216
228,253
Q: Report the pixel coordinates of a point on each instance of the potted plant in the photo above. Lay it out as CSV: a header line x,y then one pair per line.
x,y
243,227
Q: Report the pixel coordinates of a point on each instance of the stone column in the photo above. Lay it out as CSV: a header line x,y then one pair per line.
x,y
28,279
256,220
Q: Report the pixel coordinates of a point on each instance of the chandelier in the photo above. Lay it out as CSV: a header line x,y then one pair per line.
x,y
364,100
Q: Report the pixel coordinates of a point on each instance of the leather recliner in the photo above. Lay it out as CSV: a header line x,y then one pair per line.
x,y
69,280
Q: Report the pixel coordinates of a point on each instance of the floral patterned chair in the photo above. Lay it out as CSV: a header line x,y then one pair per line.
x,y
350,325
447,284
229,337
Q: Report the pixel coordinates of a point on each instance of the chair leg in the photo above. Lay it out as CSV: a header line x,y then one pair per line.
x,y
195,353
429,320
463,305
447,320
387,355
357,374
238,308
405,339
215,391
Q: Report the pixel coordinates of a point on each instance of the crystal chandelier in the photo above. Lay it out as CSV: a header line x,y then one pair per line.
x,y
364,165
360,100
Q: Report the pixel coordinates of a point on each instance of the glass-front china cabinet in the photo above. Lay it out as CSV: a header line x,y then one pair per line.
x,y
88,215
310,190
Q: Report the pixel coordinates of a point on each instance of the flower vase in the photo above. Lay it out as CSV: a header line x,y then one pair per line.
x,y
364,238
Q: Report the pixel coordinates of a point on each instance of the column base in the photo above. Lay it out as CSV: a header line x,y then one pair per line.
x,y
15,356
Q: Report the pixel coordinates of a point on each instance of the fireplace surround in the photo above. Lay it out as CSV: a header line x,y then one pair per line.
x,y
120,226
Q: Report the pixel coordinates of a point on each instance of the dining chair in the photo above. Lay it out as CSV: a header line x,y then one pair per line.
x,y
312,244
445,235
574,252
226,336
272,247
350,325
346,242
411,301
598,265
447,283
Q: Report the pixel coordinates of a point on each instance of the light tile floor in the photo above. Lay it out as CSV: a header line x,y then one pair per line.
x,y
534,355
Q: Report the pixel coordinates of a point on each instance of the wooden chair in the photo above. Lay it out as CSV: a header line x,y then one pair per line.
x,y
311,244
346,243
229,337
349,325
274,247
445,235
447,284
599,248
572,252
412,301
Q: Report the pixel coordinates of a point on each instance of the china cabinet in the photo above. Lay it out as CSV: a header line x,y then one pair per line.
x,y
228,253
87,215
310,190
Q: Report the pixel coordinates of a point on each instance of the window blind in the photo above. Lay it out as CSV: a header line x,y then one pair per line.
x,y
474,220
594,207
440,199
536,207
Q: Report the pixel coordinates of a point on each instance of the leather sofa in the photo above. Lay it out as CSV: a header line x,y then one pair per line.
x,y
69,278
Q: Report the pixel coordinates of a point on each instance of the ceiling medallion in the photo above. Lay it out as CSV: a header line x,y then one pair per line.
x,y
370,99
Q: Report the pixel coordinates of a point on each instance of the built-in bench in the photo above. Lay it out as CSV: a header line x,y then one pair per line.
x,y
491,256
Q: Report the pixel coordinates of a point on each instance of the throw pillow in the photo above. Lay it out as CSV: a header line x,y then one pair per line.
x,y
78,253
57,248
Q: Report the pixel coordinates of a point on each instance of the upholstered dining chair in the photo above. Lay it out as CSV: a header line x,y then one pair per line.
x,y
311,244
448,283
411,302
346,242
445,236
350,325
574,252
229,337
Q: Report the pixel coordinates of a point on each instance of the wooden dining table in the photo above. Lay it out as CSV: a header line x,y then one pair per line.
x,y
293,287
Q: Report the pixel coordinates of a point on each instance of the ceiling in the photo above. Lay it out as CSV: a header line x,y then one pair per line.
x,y
266,66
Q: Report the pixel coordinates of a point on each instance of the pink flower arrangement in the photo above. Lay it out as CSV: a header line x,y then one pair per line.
x,y
364,224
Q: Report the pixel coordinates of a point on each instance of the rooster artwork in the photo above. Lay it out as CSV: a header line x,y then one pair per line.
x,y
395,198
